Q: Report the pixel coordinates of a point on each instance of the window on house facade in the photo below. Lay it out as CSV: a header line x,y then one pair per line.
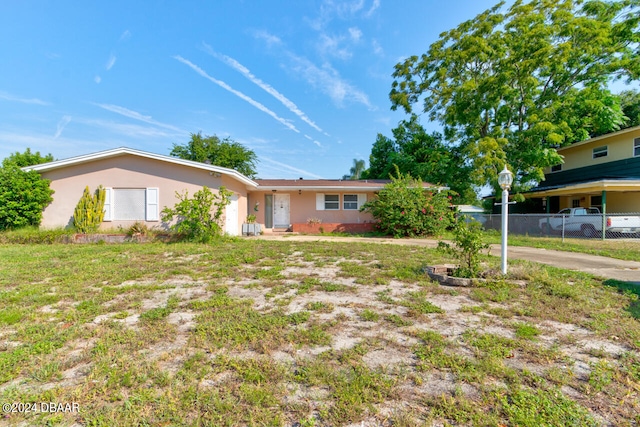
x,y
575,203
556,168
353,201
600,152
636,147
131,204
350,202
331,202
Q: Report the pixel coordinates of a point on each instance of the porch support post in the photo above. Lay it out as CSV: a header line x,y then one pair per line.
x,y
604,214
548,204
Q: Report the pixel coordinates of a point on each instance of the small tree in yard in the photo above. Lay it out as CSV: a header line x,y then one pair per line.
x,y
23,197
198,218
467,244
404,208
89,211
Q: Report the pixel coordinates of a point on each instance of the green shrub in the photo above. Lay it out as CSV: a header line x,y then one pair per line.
x,y
195,220
467,244
89,211
404,208
23,197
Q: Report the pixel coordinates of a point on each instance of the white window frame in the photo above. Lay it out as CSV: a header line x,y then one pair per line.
x,y
361,199
336,202
152,205
636,147
599,152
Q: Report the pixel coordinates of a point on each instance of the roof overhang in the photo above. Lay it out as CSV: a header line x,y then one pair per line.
x,y
87,158
594,187
334,188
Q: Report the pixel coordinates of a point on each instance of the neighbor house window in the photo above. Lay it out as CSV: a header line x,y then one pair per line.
x,y
353,201
556,168
131,204
331,202
600,152
636,147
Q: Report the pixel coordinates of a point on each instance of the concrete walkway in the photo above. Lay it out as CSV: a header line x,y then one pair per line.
x,y
608,268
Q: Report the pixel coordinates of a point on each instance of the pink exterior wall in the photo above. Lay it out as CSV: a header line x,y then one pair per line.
x,y
130,171
303,207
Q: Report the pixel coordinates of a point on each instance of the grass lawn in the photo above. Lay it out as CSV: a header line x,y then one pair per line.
x,y
627,249
278,333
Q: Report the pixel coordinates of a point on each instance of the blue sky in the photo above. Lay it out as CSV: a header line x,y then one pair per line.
x,y
304,84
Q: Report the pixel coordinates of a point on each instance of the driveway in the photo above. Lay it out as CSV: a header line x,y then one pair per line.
x,y
608,268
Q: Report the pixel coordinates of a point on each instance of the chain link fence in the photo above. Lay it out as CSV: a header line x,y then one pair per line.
x,y
616,225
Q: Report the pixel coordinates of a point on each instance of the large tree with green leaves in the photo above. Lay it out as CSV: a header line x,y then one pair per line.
x,y
512,86
425,156
23,195
220,152
630,102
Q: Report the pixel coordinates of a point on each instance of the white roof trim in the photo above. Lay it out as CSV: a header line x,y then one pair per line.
x,y
43,167
599,138
334,188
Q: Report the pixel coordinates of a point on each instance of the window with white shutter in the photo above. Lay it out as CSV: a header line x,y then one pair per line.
x,y
132,204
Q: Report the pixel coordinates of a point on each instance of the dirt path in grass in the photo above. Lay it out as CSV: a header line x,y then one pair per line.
x,y
608,268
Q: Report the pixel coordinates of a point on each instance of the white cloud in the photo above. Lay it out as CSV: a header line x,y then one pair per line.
x,y
237,93
344,10
373,8
130,130
97,79
264,86
270,39
317,143
61,125
377,49
111,62
289,168
14,98
355,34
136,116
328,80
331,46
126,35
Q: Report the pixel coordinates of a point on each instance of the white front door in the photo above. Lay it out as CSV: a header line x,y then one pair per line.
x,y
281,211
231,217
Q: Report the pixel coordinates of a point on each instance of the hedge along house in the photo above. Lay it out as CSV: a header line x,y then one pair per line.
x,y
139,185
602,172
310,206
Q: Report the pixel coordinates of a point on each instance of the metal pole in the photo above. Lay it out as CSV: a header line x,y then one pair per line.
x,y
505,228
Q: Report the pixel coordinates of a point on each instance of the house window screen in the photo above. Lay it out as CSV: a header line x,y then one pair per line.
x,y
350,201
129,204
600,152
636,147
331,201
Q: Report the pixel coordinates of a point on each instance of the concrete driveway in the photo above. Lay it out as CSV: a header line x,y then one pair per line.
x,y
608,268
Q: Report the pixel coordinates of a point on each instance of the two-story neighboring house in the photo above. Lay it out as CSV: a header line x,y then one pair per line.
x,y
602,172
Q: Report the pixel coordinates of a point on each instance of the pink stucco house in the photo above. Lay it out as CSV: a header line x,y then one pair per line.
x,y
140,184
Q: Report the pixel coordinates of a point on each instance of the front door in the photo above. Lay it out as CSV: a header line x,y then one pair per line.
x,y
231,217
281,218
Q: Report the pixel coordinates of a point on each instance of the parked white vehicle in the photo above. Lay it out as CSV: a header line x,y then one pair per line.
x,y
588,222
